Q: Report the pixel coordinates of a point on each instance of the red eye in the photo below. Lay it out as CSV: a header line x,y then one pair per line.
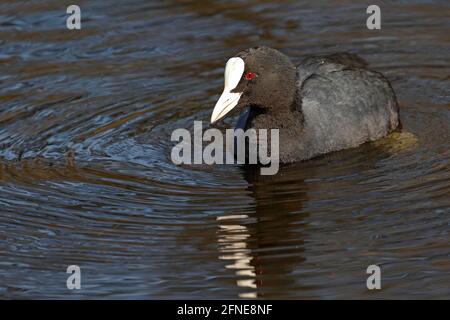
x,y
250,75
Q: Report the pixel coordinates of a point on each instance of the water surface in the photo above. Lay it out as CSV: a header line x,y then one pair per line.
x,y
86,176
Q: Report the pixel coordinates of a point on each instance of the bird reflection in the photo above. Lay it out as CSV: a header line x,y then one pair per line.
x,y
264,245
234,248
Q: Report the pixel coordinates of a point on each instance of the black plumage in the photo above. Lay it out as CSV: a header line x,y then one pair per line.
x,y
326,103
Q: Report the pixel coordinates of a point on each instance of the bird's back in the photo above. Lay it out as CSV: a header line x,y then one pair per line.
x,y
343,104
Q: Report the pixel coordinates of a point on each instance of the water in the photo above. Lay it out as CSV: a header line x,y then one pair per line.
x,y
86,176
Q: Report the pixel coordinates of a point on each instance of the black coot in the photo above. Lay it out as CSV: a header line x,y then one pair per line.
x,y
328,103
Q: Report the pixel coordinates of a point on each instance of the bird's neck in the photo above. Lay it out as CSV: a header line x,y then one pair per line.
x,y
282,114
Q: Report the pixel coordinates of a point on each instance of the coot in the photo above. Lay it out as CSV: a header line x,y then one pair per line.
x,y
327,103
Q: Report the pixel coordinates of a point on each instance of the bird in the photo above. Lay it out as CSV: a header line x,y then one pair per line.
x,y
327,103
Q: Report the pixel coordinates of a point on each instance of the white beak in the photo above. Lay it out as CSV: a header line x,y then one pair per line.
x,y
234,70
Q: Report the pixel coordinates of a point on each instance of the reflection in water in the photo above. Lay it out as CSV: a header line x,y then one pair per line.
x,y
258,243
234,246
86,176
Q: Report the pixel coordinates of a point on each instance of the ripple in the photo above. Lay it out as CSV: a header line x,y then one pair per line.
x,y
86,176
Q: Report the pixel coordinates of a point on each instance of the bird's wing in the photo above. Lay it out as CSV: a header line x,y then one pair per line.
x,y
321,65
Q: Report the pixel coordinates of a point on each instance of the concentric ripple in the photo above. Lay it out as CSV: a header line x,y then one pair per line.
x,y
86,177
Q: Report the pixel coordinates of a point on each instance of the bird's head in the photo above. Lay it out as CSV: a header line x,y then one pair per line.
x,y
259,77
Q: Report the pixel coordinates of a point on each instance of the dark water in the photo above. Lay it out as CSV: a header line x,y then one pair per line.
x,y
86,176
